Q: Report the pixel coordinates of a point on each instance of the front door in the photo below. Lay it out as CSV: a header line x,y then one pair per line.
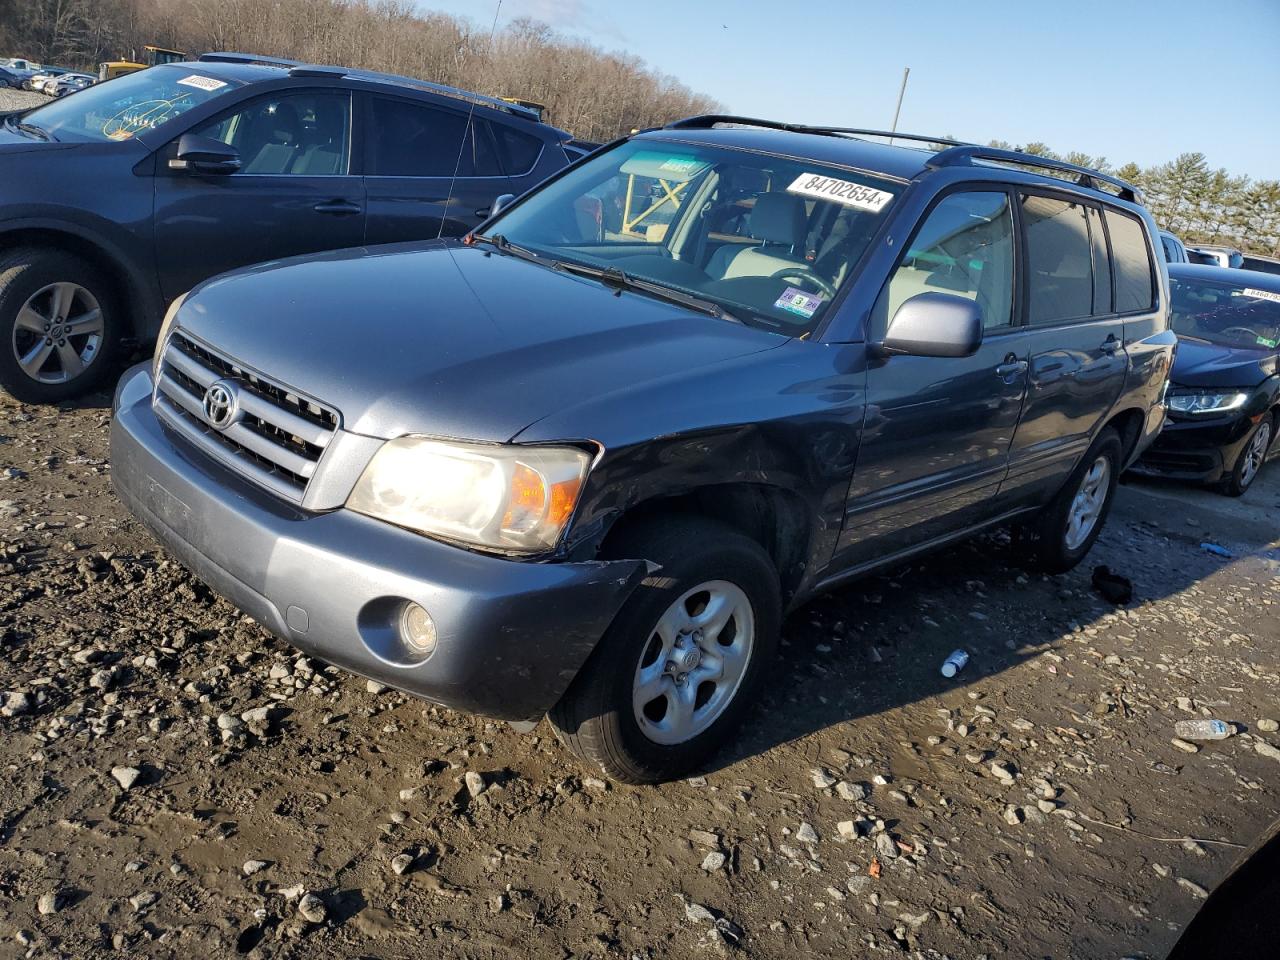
x,y
1077,349
936,438
425,179
294,192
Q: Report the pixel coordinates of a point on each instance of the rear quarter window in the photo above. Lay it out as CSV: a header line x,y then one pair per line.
x,y
521,150
1131,260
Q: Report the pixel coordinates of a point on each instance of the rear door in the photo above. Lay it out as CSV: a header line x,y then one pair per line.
x,y
936,438
1076,340
295,191
414,150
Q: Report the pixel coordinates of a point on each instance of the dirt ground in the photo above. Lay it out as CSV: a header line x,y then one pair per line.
x,y
1034,806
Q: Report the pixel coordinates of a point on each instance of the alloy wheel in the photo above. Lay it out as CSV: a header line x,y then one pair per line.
x,y
1089,500
58,333
693,662
1255,454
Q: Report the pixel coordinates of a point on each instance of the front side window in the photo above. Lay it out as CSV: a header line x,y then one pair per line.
x,y
299,134
770,239
1230,314
964,248
121,109
410,139
1134,289
1059,260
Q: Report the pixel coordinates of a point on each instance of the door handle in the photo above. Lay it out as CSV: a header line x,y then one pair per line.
x,y
338,208
1111,344
1011,369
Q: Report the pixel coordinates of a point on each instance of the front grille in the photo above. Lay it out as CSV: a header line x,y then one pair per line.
x,y
276,437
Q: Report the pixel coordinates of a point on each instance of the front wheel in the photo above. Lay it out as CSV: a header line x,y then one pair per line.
x,y
670,680
58,332
1252,457
1070,524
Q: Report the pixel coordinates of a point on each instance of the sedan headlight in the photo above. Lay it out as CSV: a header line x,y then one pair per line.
x,y
501,497
1196,404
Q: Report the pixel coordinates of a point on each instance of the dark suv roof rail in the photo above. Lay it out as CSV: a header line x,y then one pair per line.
x,y
1085,176
709,120
250,58
494,103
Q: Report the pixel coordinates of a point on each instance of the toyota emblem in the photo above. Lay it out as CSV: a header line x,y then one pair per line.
x,y
220,404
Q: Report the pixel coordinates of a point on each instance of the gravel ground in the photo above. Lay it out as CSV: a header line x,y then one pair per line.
x,y
11,99
175,782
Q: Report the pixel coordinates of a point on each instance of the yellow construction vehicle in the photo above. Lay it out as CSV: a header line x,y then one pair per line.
x,y
152,55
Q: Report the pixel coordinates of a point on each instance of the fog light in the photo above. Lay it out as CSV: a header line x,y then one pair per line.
x,y
417,629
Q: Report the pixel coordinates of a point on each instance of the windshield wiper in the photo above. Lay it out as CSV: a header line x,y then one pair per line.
x,y
614,277
503,245
32,129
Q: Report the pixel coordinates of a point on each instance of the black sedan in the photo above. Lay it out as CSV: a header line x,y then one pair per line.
x,y
1224,390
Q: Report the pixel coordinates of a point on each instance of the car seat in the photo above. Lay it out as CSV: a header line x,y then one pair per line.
x,y
778,221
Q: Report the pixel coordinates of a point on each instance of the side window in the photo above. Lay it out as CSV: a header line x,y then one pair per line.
x,y
1059,260
1101,264
299,134
414,140
1134,290
964,248
521,150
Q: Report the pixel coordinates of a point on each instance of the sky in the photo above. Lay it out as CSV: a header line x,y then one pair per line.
x,y
1124,79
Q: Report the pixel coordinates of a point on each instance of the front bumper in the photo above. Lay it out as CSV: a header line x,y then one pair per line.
x,y
1196,451
511,635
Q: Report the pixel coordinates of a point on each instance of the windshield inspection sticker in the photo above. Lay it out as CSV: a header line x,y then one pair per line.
x,y
841,191
207,84
1262,294
798,302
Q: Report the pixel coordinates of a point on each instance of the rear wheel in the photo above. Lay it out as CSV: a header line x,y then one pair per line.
x,y
1069,525
670,680
1252,457
58,325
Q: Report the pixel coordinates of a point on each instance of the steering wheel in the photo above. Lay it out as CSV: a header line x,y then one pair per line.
x,y
804,274
1251,334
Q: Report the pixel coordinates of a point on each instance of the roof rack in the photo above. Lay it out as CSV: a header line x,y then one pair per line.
x,y
298,68
965,155
249,58
707,121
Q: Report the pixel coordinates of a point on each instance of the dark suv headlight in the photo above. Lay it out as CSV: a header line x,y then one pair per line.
x,y
1207,402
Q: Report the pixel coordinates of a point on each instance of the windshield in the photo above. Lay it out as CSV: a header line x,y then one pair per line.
x,y
121,108
1230,314
771,240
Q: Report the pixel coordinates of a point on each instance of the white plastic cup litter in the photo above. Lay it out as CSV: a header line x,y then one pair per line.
x,y
955,663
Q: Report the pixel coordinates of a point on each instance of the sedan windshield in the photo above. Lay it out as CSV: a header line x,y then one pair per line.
x,y
121,108
748,236
1230,314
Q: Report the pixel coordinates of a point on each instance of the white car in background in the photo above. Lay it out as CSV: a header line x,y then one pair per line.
x,y
1222,256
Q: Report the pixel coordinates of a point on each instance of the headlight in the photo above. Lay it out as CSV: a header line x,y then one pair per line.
x,y
169,316
1195,404
503,497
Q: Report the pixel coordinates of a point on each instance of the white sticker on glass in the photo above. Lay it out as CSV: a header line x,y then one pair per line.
x,y
840,191
208,84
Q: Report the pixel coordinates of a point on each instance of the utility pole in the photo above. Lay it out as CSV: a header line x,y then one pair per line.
x,y
906,72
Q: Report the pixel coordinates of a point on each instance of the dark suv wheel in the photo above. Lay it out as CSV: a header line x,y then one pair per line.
x,y
670,680
1069,525
59,331
1252,456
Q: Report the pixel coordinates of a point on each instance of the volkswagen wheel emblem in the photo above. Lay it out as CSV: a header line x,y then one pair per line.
x,y
220,404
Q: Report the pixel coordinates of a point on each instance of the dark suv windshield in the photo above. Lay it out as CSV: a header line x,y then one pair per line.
x,y
121,108
769,239
1231,314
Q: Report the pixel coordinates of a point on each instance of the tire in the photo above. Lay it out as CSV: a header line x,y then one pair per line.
x,y
597,718
1058,540
35,284
1253,455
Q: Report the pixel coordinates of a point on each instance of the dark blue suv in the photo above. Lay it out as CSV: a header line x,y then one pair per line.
x,y
117,200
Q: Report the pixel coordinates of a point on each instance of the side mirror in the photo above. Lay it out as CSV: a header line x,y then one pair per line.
x,y
501,203
205,155
934,325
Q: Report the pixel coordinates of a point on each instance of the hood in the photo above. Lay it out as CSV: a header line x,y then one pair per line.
x,y
1201,364
450,341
